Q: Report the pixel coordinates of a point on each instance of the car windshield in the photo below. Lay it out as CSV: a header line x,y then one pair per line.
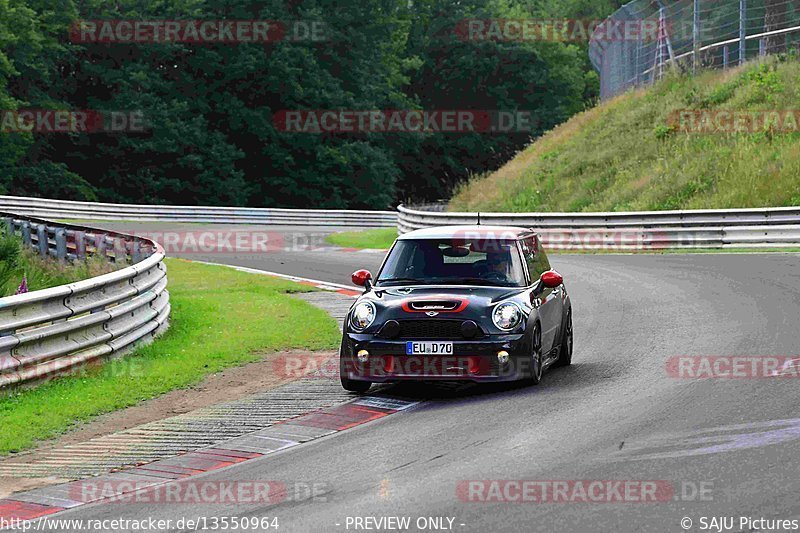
x,y
454,262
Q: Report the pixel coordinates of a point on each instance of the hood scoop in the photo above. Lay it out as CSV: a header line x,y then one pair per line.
x,y
433,305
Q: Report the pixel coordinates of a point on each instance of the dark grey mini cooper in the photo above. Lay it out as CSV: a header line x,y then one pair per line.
x,y
477,303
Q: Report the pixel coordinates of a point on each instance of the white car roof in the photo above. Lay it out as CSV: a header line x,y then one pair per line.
x,y
471,232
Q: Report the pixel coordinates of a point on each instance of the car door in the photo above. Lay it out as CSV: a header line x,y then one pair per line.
x,y
549,300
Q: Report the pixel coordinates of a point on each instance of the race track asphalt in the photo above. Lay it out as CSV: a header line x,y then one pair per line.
x,y
615,414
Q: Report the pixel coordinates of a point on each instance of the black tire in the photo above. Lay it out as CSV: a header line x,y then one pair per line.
x,y
350,385
536,367
565,349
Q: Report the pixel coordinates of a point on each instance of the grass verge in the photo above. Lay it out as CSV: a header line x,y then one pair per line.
x,y
380,238
631,154
220,318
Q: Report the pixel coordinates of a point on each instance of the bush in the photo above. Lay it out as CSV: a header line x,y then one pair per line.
x,y
42,273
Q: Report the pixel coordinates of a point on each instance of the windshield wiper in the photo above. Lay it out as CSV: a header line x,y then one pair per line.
x,y
447,281
401,280
483,281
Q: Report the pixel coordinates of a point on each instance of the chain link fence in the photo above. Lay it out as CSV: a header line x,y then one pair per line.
x,y
635,46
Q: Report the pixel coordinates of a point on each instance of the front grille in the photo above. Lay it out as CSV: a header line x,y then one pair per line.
x,y
431,329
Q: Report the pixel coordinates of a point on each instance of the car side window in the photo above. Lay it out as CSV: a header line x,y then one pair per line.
x,y
535,258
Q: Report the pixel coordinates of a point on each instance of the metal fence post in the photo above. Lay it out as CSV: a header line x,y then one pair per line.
x,y
664,38
742,31
41,236
636,63
80,244
100,245
61,244
762,47
696,36
725,53
136,251
120,253
26,233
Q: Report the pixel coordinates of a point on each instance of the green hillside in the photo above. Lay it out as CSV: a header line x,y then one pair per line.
x,y
627,153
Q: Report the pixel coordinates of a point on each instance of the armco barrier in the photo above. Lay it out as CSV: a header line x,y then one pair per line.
x,y
776,227
64,209
50,331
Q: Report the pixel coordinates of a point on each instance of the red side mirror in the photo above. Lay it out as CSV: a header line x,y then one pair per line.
x,y
552,279
361,277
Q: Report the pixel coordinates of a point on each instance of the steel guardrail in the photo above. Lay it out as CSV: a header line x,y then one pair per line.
x,y
57,330
66,209
776,227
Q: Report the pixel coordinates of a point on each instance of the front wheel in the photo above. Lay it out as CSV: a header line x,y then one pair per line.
x,y
351,385
536,370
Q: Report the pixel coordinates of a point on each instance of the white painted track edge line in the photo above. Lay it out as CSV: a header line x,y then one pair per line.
x,y
278,275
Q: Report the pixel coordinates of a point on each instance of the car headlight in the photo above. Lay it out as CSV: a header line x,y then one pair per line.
x,y
507,316
362,316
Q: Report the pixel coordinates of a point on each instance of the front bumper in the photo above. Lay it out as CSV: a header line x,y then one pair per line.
x,y
472,360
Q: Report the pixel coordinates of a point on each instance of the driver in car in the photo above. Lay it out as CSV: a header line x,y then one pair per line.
x,y
498,263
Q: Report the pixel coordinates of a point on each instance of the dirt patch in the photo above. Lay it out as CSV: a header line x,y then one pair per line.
x,y
10,485
230,384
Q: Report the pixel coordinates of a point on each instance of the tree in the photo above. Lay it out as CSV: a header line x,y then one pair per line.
x,y
211,134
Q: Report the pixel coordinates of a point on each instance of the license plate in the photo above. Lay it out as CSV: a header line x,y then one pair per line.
x,y
429,348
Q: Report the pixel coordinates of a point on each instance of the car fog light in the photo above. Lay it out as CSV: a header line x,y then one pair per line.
x,y
363,356
503,357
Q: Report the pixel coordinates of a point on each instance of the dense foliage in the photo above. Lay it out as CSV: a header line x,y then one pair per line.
x,y
210,135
